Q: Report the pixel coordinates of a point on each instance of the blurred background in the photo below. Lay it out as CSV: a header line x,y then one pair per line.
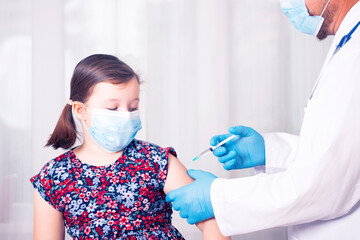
x,y
206,65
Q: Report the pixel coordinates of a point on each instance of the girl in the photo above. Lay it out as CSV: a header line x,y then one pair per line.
x,y
112,186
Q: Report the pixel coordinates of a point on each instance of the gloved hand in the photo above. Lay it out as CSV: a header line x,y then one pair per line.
x,y
193,200
244,151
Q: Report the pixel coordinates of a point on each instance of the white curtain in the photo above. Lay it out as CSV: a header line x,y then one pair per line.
x,y
206,65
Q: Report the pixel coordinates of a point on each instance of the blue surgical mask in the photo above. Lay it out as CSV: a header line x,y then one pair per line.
x,y
114,130
299,16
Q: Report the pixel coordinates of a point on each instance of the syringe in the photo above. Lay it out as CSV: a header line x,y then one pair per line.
x,y
212,148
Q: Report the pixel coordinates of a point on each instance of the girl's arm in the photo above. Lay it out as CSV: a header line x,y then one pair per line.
x,y
177,177
48,222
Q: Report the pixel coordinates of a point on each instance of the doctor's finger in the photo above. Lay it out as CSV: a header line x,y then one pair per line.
x,y
184,214
170,196
229,164
191,220
176,205
220,151
218,138
227,157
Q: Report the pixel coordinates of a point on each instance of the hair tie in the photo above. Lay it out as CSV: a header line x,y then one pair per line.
x,y
70,102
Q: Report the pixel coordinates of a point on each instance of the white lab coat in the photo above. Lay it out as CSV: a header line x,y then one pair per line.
x,y
311,182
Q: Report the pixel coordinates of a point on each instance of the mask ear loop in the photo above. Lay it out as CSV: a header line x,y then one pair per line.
x,y
71,103
325,8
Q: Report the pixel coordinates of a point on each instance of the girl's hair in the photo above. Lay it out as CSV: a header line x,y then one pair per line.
x,y
88,72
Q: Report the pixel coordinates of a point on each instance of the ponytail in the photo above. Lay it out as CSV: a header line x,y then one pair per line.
x,y
65,134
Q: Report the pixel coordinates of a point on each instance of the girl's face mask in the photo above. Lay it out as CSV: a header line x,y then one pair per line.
x,y
299,16
113,130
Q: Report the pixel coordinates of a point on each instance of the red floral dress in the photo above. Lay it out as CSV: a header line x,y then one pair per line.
x,y
124,200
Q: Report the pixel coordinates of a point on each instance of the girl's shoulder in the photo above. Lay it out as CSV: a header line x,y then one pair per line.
x,y
139,147
56,167
156,158
63,160
53,175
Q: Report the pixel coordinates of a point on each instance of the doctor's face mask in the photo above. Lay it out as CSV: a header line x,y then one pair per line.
x,y
300,18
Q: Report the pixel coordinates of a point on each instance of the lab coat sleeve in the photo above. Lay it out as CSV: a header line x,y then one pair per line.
x,y
321,182
280,150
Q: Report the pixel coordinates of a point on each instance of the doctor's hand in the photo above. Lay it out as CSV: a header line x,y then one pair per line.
x,y
193,200
245,151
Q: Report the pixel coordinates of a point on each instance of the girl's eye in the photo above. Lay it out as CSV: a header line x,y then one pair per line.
x,y
112,109
132,109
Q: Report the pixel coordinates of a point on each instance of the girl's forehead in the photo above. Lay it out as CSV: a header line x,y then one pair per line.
x,y
111,90
107,87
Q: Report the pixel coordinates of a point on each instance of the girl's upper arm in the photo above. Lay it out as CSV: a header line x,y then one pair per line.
x,y
177,175
48,222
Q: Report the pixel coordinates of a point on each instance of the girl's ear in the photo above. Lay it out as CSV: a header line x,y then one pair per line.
x,y
79,110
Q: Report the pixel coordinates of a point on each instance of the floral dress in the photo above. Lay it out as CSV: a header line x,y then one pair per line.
x,y
124,200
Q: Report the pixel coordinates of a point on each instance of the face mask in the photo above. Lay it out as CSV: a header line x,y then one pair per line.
x,y
114,130
299,16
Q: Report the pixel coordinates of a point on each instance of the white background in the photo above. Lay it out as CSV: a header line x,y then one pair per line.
x,y
206,65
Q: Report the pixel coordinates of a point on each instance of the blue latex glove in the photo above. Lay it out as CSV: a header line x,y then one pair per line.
x,y
193,200
245,151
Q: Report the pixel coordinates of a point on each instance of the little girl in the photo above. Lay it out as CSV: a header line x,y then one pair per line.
x,y
112,186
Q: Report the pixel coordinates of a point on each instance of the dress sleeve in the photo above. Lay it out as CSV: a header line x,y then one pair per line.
x,y
162,164
45,182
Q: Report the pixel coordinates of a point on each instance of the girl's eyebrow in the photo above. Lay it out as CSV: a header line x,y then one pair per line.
x,y
114,100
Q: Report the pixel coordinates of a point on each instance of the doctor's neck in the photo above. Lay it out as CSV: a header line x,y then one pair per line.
x,y
336,13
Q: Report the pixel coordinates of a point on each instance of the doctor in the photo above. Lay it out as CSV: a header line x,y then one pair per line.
x,y
310,182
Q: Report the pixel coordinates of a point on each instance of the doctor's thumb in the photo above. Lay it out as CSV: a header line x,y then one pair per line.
x,y
196,174
241,131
